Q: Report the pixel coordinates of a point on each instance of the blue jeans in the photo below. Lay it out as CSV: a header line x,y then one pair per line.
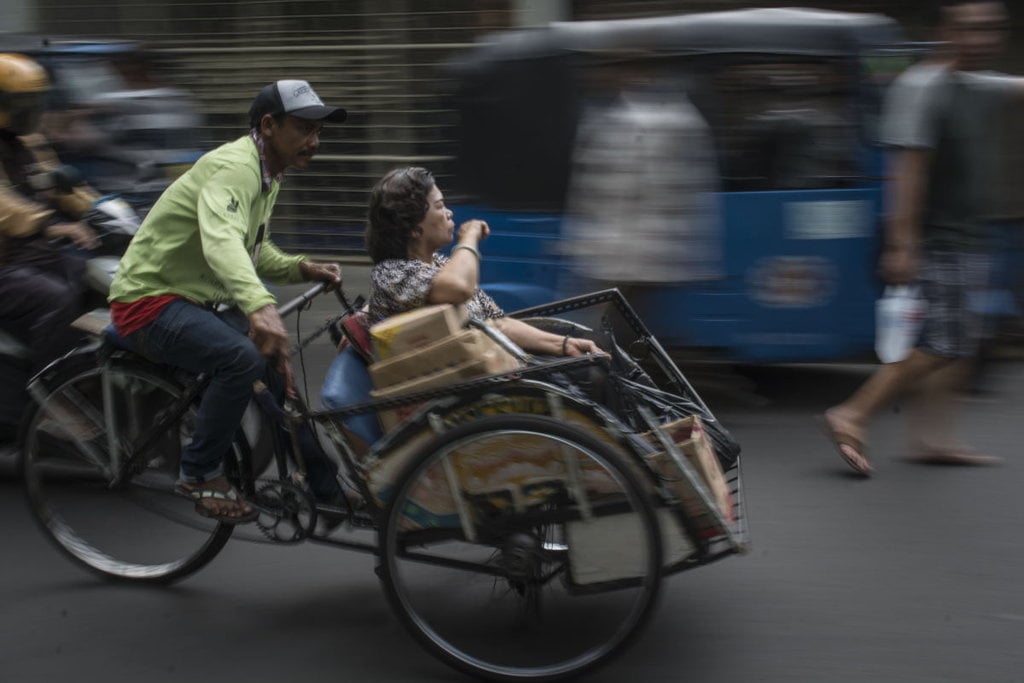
x,y
198,340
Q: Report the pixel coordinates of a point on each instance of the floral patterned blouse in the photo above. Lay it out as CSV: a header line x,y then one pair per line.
x,y
401,285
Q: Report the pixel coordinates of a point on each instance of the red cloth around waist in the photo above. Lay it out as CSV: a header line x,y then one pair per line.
x,y
132,316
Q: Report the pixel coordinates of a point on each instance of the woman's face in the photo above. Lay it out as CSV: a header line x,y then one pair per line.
x,y
437,228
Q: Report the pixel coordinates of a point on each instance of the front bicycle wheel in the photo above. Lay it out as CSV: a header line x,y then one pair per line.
x,y
76,436
520,548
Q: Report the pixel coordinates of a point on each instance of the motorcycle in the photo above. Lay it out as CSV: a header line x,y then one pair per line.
x,y
114,222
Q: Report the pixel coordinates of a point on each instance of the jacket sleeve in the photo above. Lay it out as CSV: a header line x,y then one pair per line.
x,y
20,216
72,204
277,266
223,210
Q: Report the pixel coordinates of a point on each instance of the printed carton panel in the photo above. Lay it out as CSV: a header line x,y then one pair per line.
x,y
493,360
413,330
691,438
493,474
449,352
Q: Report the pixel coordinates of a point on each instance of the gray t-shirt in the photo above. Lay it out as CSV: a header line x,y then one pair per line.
x,y
905,123
949,112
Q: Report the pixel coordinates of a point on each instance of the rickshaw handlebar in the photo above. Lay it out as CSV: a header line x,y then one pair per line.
x,y
302,299
316,290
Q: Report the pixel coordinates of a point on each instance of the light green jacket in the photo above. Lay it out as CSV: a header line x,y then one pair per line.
x,y
199,238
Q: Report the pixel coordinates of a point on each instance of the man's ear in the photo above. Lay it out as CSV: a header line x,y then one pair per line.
x,y
267,125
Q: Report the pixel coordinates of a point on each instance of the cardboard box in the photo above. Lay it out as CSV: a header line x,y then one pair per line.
x,y
450,352
689,436
413,330
467,370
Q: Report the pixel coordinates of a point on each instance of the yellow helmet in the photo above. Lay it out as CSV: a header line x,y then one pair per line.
x,y
23,85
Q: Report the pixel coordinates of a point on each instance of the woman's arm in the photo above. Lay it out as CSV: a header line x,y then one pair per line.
x,y
538,341
458,279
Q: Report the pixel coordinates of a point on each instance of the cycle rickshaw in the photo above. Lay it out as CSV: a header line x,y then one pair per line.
x,y
522,530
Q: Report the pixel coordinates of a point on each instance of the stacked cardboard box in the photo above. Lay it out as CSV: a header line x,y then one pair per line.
x,y
690,437
427,348
413,330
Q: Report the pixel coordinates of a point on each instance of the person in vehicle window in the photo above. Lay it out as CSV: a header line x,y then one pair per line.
x,y
408,224
641,210
41,289
204,246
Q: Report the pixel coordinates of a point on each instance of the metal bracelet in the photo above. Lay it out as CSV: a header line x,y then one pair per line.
x,y
467,247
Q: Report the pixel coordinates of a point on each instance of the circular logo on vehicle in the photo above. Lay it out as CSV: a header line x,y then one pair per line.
x,y
792,281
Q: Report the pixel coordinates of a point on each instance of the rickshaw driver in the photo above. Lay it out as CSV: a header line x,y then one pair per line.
x,y
206,243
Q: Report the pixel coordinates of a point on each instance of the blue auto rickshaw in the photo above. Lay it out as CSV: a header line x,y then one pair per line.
x,y
799,248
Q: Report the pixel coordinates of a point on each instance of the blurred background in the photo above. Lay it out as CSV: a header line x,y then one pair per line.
x,y
142,88
378,57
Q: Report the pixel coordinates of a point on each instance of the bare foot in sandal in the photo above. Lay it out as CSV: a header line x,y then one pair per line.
x,y
219,500
848,438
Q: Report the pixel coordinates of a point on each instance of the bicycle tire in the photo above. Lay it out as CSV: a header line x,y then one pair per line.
x,y
137,532
529,555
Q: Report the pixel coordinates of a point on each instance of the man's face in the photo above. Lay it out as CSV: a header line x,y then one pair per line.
x,y
976,32
293,142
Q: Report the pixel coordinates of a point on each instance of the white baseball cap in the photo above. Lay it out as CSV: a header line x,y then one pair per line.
x,y
295,98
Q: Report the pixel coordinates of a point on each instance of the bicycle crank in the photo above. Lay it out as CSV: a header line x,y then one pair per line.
x,y
287,512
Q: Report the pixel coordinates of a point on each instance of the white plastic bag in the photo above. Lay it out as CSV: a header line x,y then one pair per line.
x,y
899,315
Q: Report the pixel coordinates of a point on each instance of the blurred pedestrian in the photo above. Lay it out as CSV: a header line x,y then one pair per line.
x,y
41,288
935,233
641,206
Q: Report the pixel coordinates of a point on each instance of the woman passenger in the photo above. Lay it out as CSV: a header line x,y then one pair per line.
x,y
408,224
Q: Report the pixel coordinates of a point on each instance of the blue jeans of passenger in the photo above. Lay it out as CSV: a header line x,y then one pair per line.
x,y
198,340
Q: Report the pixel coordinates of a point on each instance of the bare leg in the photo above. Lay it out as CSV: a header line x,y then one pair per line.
x,y
848,421
933,413
934,437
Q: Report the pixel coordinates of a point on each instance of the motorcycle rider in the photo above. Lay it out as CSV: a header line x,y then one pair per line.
x,y
41,288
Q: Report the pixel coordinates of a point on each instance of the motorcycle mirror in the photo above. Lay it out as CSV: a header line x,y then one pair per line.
x,y
148,172
66,177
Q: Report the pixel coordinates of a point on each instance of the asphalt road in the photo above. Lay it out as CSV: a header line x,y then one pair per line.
x,y
913,576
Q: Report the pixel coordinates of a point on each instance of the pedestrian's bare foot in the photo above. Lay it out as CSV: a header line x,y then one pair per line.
x,y
953,456
848,438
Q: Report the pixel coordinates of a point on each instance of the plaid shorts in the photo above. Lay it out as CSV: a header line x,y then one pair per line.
x,y
949,281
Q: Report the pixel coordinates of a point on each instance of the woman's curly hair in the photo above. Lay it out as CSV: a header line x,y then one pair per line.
x,y
398,203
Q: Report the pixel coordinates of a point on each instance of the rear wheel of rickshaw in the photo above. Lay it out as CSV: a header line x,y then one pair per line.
x,y
521,548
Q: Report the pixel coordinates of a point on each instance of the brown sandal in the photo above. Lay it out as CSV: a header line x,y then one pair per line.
x,y
200,495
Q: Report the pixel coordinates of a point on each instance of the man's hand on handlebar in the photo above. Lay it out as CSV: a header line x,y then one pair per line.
x,y
269,335
79,233
329,273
